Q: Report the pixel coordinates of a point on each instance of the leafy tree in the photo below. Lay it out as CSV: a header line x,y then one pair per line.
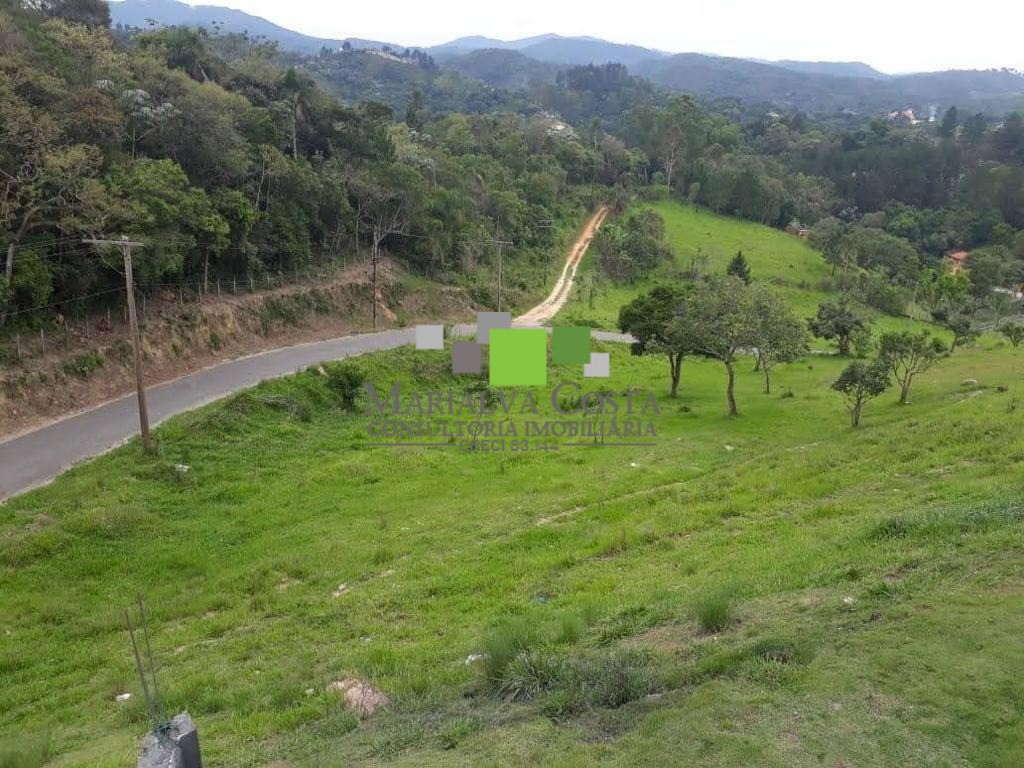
x,y
649,319
1014,332
859,383
907,355
837,321
782,335
739,268
962,327
720,321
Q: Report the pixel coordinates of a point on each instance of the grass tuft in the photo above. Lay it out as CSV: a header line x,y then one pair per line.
x,y
714,611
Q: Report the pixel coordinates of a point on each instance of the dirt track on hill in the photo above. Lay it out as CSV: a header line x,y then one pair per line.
x,y
551,306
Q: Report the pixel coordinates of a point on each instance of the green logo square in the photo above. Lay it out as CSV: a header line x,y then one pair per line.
x,y
519,357
570,346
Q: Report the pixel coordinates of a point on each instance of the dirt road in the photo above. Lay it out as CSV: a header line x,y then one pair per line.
x,y
560,294
35,458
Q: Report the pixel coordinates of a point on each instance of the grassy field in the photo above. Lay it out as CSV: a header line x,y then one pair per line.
x,y
771,590
696,235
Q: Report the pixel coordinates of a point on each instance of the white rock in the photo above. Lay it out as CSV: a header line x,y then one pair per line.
x,y
122,697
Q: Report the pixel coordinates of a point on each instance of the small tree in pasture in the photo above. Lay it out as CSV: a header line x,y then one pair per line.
x,y
649,320
837,321
782,335
1014,333
738,267
720,321
908,354
859,383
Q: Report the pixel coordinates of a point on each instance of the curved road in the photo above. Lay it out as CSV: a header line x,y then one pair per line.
x,y
37,457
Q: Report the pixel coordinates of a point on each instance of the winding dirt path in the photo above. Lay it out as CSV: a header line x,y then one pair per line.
x,y
560,294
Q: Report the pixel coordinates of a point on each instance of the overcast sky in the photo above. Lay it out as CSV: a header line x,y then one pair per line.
x,y
891,35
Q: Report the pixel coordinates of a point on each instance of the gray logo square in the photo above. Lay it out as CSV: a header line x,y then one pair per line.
x,y
488,321
466,357
429,337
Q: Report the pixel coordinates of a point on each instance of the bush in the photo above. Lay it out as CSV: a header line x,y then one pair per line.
x,y
84,365
345,380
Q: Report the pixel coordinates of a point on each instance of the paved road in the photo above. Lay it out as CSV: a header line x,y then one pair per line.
x,y
37,457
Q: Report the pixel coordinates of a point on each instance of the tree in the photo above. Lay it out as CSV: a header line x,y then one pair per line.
x,y
720,321
739,268
649,320
950,120
782,335
1014,332
859,383
298,89
907,355
836,320
92,13
962,328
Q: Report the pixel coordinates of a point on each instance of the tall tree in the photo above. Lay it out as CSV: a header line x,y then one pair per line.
x,y
721,321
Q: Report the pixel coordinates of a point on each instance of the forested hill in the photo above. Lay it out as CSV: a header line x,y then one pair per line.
x,y
222,153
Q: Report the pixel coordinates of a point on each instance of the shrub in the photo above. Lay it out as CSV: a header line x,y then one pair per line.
x,y
345,380
84,365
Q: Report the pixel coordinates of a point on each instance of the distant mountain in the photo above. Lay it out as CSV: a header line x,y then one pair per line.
x,y
799,88
554,49
140,13
836,68
815,87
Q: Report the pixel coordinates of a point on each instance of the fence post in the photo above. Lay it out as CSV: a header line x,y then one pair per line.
x,y
17,345
42,339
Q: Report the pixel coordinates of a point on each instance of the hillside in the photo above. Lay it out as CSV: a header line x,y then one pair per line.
x,y
856,568
703,241
502,68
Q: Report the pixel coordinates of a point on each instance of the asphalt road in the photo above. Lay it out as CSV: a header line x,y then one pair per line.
x,y
37,457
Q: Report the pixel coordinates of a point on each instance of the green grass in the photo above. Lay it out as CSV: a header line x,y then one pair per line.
x,y
876,598
698,236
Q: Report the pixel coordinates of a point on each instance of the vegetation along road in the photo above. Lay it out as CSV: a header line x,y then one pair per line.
x,y
36,457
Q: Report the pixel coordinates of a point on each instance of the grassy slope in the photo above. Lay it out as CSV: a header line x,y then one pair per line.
x,y
795,268
886,558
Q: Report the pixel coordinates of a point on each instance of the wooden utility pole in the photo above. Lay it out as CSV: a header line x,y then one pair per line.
x,y
499,243
126,246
